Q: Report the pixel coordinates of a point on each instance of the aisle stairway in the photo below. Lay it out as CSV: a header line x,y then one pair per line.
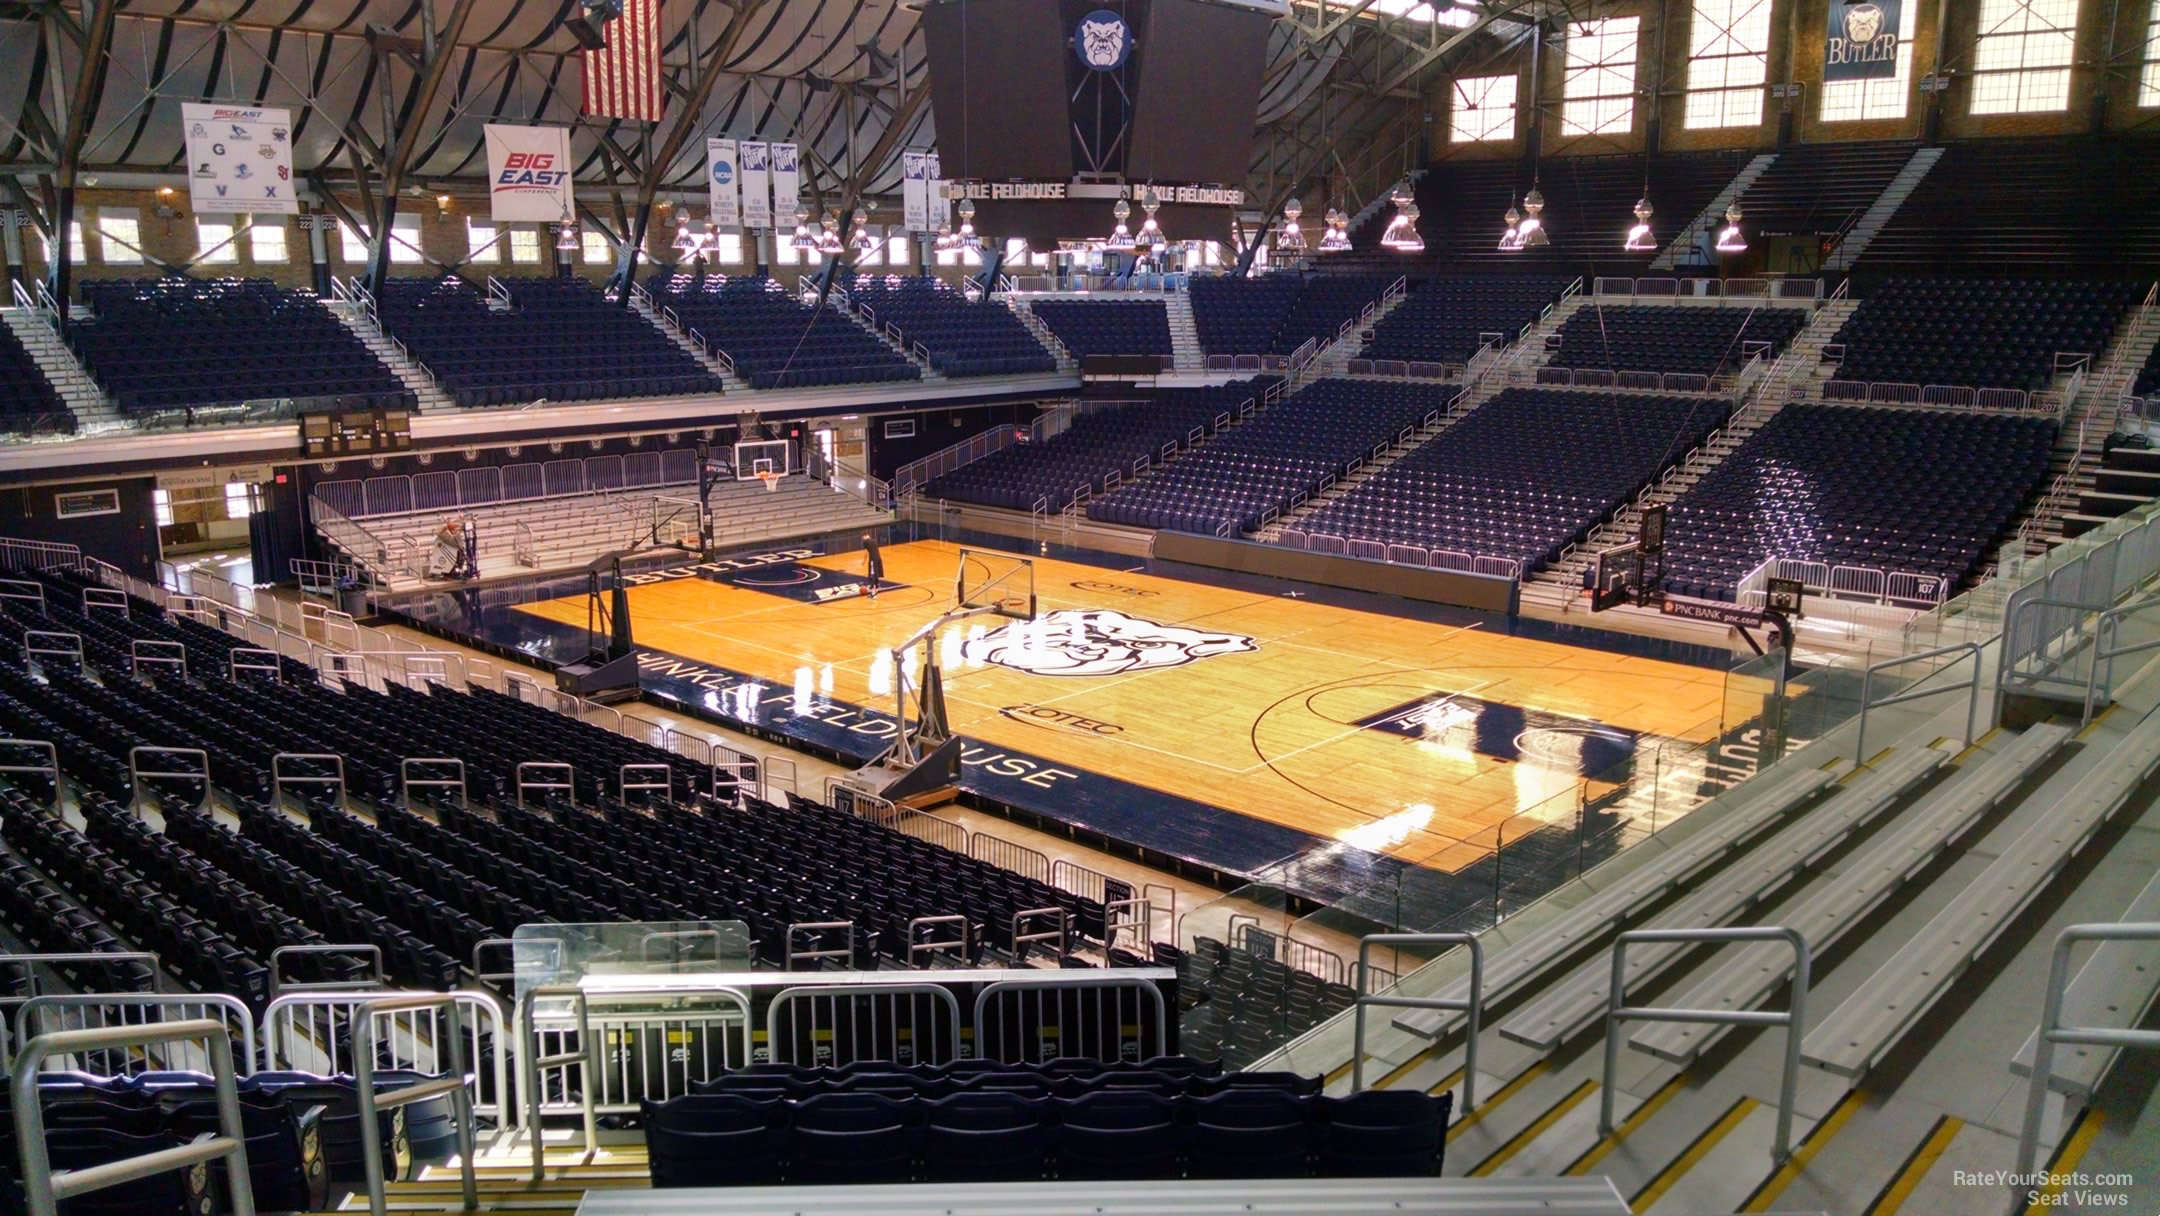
x,y
1184,336
1883,210
94,411
1683,242
642,304
1796,374
354,316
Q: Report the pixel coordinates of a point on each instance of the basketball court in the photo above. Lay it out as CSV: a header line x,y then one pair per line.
x,y
1401,736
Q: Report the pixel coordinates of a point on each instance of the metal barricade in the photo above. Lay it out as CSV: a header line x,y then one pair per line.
x,y
840,1023
42,1191
406,780
50,770
279,778
314,1032
1070,1013
2052,1031
52,1013
137,774
1004,854
453,1084
817,950
1474,1005
568,784
1794,1019
279,986
2107,626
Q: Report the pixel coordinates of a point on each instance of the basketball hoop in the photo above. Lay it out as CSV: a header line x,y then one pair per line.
x,y
770,478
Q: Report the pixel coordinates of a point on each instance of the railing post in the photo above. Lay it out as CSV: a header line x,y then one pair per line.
x,y
1474,1006
2052,1031
363,1028
1794,1019
583,1057
42,1192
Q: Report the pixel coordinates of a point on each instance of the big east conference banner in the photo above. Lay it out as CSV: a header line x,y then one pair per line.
x,y
1862,41
239,159
529,174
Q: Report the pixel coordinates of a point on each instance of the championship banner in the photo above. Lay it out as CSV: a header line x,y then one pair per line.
x,y
756,161
239,159
786,179
529,174
723,182
915,191
1862,42
940,206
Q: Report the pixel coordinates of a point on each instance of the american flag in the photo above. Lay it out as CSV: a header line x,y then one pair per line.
x,y
622,79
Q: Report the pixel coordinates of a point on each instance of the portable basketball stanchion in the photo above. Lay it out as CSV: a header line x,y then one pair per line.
x,y
924,744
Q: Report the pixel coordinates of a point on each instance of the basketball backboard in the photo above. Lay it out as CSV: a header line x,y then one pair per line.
x,y
1000,582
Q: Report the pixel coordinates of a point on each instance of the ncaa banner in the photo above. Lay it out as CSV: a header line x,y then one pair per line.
x,y
529,174
915,191
239,159
723,182
756,173
787,180
1862,40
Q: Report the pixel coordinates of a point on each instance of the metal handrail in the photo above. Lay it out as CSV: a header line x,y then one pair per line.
x,y
231,1012
2052,1031
50,769
452,1084
2102,628
1474,1005
534,1062
43,1191
1794,1019
1867,683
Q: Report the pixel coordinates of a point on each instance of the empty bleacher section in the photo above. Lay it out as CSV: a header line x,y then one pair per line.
x,y
1519,479
2080,206
1879,502
1820,188
1236,316
1977,333
526,340
1450,318
1289,451
1103,447
1108,327
1706,342
773,340
177,347
28,401
1327,305
948,331
565,511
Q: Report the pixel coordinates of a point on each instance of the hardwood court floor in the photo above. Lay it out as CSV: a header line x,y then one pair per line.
x,y
1270,729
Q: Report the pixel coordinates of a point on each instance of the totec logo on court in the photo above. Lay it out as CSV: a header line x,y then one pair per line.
x,y
1089,584
1098,642
1045,715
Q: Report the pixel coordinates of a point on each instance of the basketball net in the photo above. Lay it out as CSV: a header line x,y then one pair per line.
x,y
770,478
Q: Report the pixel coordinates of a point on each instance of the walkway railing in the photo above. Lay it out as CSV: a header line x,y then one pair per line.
x,y
2053,1032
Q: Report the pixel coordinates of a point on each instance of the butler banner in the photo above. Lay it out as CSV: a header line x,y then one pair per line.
x,y
1862,40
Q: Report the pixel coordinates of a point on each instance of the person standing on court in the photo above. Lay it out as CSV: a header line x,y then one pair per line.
x,y
873,564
